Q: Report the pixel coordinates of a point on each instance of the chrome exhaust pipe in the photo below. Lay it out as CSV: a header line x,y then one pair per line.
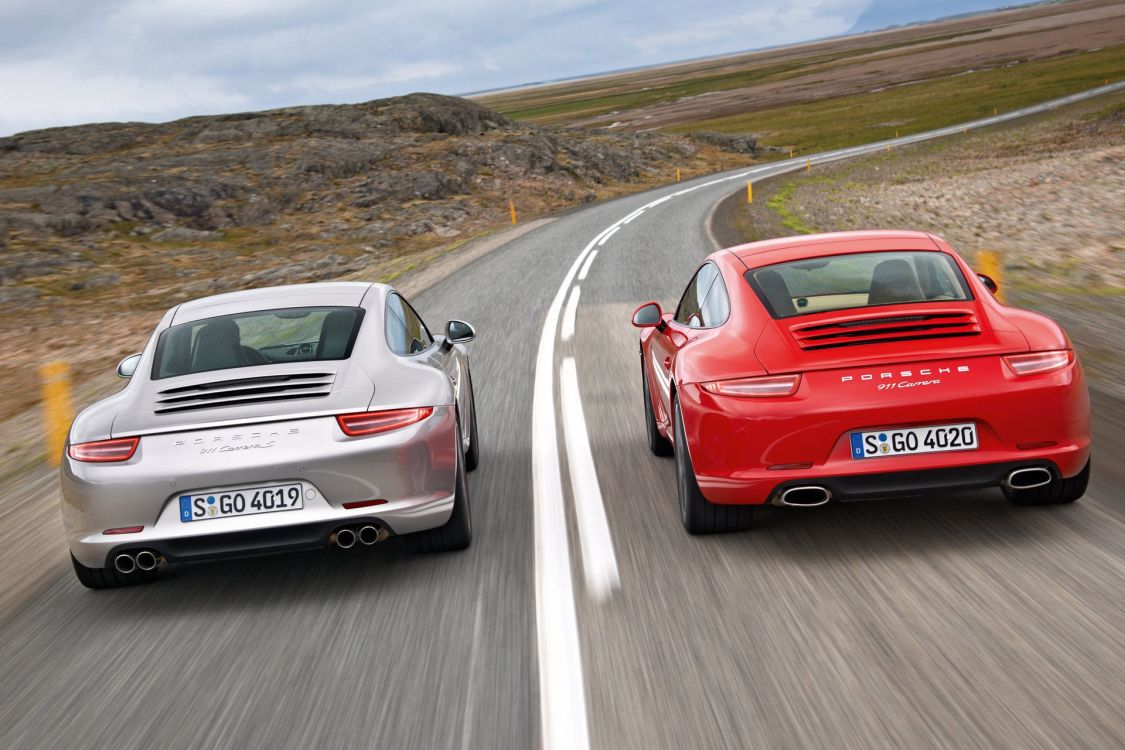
x,y
345,538
1028,478
369,535
809,496
146,560
125,563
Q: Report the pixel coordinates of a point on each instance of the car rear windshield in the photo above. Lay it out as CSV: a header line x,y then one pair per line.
x,y
841,282
261,337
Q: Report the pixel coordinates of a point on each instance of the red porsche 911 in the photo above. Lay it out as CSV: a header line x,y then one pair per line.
x,y
856,365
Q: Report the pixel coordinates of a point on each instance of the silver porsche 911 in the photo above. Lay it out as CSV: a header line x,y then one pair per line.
x,y
274,420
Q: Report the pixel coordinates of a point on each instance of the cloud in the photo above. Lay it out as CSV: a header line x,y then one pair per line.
x,y
45,94
70,61
400,73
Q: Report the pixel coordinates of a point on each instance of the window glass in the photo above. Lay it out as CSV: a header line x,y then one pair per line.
x,y
261,337
716,306
406,333
841,282
688,312
395,326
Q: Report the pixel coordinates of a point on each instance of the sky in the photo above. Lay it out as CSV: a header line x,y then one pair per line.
x,y
65,62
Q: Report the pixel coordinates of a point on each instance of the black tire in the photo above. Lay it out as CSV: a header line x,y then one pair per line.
x,y
657,443
457,533
472,455
1057,492
108,578
699,515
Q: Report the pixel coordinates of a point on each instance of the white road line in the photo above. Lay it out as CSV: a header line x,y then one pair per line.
x,y
633,215
586,266
562,695
569,314
474,689
598,561
612,232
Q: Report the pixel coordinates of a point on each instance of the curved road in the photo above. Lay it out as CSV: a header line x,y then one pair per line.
x,y
583,615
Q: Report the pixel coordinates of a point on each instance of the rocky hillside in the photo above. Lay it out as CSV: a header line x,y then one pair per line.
x,y
103,221
320,188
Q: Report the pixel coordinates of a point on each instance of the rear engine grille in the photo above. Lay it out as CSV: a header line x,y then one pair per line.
x,y
880,329
244,391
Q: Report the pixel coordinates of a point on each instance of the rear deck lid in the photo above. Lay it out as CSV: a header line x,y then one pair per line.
x,y
244,395
884,335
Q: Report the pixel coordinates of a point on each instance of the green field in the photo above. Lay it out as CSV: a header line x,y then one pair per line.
x,y
560,105
850,120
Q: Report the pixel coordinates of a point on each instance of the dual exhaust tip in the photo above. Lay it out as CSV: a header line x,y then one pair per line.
x,y
129,562
367,535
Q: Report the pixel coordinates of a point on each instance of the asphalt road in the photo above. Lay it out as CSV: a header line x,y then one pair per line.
x,y
957,621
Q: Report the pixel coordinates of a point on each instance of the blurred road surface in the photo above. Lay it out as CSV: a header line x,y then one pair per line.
x,y
955,621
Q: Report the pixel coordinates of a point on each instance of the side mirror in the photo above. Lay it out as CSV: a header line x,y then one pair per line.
x,y
127,366
649,315
459,332
989,282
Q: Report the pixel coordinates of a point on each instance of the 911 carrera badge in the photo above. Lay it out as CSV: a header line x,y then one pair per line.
x,y
891,380
233,442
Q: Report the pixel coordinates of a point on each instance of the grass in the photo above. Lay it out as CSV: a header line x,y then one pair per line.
x,y
562,103
862,118
779,203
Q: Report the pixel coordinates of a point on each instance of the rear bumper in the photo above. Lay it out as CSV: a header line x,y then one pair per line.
x,y
744,450
412,471
289,538
918,482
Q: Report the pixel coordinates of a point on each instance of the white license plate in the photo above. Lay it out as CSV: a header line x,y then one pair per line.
x,y
910,440
245,502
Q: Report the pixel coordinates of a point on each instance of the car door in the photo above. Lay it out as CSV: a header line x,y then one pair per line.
x,y
684,325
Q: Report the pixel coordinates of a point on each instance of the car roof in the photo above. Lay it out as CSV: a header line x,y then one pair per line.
x,y
329,294
783,249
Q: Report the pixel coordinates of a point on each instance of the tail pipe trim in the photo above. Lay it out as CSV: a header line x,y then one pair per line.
x,y
1028,478
804,496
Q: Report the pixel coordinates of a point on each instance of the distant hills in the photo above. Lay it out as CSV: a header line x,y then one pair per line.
x,y
883,13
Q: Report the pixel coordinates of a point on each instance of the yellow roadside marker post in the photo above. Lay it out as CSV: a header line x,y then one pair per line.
x,y
995,111
58,410
790,153
677,174
808,165
749,191
512,210
896,134
988,263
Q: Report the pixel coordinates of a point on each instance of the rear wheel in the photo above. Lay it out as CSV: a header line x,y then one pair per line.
x,y
1058,491
457,532
472,455
699,515
657,443
108,578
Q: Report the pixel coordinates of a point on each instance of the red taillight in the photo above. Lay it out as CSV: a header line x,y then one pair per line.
x,y
372,422
770,385
104,451
125,530
1033,364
